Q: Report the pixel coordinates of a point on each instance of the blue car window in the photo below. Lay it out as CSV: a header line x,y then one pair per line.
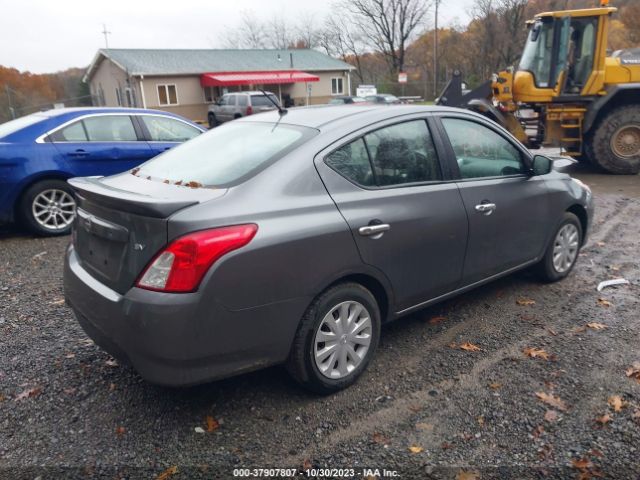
x,y
165,129
110,128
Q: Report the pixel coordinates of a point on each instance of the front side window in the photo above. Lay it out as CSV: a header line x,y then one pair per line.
x,y
537,53
167,95
481,152
337,86
263,101
226,155
163,129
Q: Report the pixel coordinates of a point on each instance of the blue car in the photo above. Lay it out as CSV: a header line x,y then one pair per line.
x,y
39,152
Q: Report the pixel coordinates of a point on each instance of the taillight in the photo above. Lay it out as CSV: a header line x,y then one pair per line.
x,y
179,268
249,110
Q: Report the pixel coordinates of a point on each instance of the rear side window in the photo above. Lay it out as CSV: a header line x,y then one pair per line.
x,y
352,162
481,152
243,100
164,129
110,128
71,133
226,155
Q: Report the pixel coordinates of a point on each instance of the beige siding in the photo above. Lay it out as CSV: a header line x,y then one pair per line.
x,y
107,78
320,91
191,102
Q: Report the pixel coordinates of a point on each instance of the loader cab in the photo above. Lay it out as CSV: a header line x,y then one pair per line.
x,y
562,52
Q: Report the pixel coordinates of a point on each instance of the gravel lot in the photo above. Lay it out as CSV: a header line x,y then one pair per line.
x,y
424,408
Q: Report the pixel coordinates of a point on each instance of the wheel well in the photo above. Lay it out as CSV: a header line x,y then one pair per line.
x,y
580,212
374,286
622,98
30,183
237,115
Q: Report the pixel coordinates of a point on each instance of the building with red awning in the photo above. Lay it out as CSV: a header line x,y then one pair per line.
x,y
187,81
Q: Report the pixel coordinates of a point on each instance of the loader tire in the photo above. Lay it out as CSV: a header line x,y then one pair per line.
x,y
615,143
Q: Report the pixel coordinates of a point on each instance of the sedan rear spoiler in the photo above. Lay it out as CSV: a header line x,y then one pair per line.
x,y
140,196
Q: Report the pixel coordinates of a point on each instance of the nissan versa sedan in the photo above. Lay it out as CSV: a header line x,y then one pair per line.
x,y
291,237
39,152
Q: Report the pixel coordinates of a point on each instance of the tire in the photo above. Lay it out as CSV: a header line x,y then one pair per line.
x,y
42,196
546,269
302,364
615,143
213,122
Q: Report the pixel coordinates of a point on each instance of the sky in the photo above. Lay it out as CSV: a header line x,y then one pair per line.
x,y
45,36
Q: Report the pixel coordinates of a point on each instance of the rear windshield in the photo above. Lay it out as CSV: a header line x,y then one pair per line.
x,y
13,126
226,155
262,101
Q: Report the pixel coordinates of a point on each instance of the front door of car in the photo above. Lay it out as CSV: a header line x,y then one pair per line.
x,y
164,133
101,145
508,209
406,218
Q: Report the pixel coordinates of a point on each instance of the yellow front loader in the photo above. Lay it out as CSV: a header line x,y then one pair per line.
x,y
567,91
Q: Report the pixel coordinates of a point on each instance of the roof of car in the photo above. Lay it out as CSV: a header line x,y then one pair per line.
x,y
54,112
251,92
318,116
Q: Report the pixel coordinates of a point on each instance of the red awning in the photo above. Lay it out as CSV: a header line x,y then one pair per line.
x,y
227,79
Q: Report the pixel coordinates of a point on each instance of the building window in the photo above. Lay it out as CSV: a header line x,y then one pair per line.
x,y
130,96
167,95
118,97
337,86
209,94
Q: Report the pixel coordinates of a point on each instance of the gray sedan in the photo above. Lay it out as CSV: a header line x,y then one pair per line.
x,y
291,237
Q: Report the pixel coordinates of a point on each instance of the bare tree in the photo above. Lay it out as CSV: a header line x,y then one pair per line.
x,y
512,15
339,39
279,34
388,25
249,34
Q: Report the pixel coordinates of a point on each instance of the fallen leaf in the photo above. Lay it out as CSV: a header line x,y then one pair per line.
x,y
615,268
112,362
453,345
2,398
616,402
462,475
604,303
596,453
495,386
581,464
167,473
596,326
552,332
416,408
480,420
580,329
212,424
552,400
536,353
306,464
70,355
112,387
380,438
415,449
199,430
539,430
436,320
600,244
57,302
469,347
634,372
604,419
29,393
551,416
525,302
120,431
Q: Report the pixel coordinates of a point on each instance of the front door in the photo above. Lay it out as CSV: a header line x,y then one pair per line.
x,y
508,209
406,219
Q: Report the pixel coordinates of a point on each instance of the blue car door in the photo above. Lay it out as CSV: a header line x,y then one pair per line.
x,y
103,144
164,132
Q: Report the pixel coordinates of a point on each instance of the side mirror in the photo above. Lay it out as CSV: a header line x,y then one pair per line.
x,y
541,165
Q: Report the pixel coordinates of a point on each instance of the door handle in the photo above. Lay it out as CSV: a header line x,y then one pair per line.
x,y
78,153
374,231
486,208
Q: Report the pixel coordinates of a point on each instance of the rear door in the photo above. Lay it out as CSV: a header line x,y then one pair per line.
x,y
101,145
508,209
164,132
405,215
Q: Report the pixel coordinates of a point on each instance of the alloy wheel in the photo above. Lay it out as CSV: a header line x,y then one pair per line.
x,y
342,339
53,209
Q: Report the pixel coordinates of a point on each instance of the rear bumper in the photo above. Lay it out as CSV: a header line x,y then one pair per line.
x,y
179,339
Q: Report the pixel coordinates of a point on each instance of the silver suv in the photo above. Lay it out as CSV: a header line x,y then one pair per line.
x,y
240,104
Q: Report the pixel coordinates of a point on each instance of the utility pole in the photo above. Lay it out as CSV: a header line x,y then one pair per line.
x,y
105,32
435,53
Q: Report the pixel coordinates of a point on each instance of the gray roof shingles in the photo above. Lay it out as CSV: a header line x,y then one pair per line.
x,y
176,62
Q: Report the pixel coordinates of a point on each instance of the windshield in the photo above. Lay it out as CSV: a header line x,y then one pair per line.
x,y
226,155
537,53
13,126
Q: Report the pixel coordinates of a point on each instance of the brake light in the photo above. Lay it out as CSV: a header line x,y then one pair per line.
x,y
180,267
249,110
